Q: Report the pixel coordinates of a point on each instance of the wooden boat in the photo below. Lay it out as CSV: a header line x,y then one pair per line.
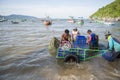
x,y
47,22
14,22
109,23
3,20
71,20
81,22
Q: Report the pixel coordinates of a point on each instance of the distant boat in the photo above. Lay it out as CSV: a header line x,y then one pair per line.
x,y
23,20
81,22
3,20
47,22
71,20
109,23
14,22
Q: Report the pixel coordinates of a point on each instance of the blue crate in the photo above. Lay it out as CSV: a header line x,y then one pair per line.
x,y
80,42
63,53
60,53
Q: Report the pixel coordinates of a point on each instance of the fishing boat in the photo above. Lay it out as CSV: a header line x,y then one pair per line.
x,y
80,22
14,22
71,20
109,23
47,21
3,20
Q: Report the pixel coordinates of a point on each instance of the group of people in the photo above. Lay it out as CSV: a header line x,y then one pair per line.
x,y
92,41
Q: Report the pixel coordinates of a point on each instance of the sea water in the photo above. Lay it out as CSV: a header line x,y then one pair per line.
x,y
24,52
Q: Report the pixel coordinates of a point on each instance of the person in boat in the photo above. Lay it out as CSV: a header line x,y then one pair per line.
x,y
113,47
66,39
75,33
92,40
66,36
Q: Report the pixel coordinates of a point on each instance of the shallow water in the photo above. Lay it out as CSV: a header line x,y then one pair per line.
x,y
24,53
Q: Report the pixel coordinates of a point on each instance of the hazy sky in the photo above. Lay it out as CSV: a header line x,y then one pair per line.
x,y
52,8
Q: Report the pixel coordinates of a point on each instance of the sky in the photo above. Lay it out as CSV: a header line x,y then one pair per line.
x,y
52,8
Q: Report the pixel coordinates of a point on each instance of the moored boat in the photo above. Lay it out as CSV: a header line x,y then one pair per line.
x,y
109,23
3,20
71,20
14,22
47,22
81,22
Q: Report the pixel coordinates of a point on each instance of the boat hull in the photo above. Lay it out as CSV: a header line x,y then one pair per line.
x,y
47,23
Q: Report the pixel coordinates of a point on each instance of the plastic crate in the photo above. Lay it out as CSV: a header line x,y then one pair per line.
x,y
62,53
80,42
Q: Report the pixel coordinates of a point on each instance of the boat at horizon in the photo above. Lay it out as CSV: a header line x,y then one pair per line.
x,y
14,22
71,20
47,22
109,23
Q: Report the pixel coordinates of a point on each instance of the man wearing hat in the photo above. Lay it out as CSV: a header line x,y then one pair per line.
x,y
113,47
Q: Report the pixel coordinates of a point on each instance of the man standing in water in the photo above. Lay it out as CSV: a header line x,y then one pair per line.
x,y
92,40
113,47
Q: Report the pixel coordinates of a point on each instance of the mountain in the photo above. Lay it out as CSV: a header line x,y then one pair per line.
x,y
111,10
15,16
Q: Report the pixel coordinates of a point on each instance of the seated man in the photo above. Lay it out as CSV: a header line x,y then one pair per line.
x,y
113,47
66,40
66,36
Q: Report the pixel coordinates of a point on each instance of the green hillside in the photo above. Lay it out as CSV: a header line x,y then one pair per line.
x,y
111,10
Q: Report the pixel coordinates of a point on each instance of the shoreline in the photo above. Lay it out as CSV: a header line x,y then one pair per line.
x,y
106,19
